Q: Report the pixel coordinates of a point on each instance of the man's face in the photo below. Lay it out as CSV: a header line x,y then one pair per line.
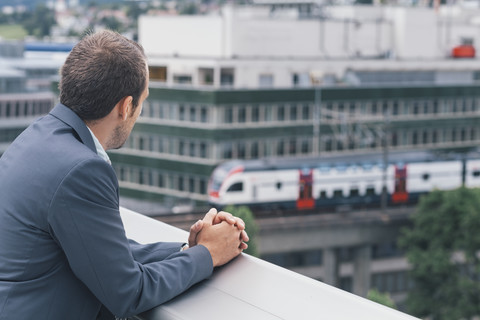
x,y
123,130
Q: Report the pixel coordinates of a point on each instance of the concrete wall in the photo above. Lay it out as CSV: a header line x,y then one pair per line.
x,y
182,35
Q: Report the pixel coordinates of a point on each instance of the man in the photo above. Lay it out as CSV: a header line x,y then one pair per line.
x,y
63,249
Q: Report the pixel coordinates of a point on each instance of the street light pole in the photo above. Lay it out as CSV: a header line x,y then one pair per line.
x,y
386,131
316,121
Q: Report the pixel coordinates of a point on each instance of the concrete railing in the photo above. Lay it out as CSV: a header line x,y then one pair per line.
x,y
250,288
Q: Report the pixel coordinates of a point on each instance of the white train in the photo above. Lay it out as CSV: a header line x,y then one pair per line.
x,y
332,181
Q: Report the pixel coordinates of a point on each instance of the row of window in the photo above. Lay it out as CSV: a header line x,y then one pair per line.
x,y
315,257
294,112
161,179
175,111
391,282
403,138
295,146
387,282
194,148
24,108
407,106
206,149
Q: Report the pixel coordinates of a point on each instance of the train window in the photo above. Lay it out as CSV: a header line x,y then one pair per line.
x,y
236,187
354,192
279,185
426,176
370,191
338,193
323,194
476,173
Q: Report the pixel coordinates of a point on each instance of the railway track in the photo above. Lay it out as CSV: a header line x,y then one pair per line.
x,y
295,218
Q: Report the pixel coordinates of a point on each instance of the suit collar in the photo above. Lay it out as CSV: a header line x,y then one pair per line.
x,y
69,117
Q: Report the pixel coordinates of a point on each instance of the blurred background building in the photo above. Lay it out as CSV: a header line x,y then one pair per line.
x,y
279,79
292,79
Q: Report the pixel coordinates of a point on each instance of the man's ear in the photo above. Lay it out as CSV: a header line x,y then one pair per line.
x,y
125,107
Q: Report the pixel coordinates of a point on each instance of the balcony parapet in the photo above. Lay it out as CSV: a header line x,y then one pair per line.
x,y
250,288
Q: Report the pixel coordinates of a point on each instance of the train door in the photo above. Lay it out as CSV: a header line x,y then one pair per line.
x,y
305,195
400,194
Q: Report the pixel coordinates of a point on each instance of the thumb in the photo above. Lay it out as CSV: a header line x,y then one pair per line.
x,y
210,216
194,230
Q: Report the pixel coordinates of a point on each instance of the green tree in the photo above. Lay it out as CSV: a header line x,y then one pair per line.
x,y
39,22
112,23
442,247
382,298
244,213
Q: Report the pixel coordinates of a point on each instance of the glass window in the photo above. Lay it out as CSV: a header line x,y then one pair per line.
x,y
242,114
281,113
268,113
241,150
193,113
265,81
192,149
227,151
160,145
203,186
306,112
204,114
254,150
191,184
280,148
293,112
304,146
160,180
228,115
181,111
236,187
338,193
181,147
203,150
292,146
255,113
370,191
181,185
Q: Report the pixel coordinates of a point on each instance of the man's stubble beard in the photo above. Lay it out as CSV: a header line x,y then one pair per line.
x,y
119,137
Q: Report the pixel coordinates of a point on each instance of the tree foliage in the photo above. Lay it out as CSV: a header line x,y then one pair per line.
x,y
382,298
39,22
442,248
244,213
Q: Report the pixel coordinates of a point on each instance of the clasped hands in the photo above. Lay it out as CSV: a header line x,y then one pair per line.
x,y
221,233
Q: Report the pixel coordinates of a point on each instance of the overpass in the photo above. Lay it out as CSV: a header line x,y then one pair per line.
x,y
250,288
314,245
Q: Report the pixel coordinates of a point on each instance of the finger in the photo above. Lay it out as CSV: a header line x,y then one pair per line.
x,y
224,216
194,230
210,216
244,236
239,223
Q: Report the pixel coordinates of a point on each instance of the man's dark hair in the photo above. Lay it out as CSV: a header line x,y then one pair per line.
x,y
100,70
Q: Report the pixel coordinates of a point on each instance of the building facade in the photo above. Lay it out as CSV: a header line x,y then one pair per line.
x,y
183,134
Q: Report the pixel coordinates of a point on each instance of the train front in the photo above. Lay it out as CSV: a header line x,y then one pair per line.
x,y
217,185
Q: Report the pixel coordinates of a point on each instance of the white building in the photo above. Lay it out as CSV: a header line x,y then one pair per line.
x,y
268,46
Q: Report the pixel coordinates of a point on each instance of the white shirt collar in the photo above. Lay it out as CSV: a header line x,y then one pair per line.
x,y
100,151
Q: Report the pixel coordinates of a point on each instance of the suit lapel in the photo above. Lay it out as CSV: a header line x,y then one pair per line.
x,y
69,117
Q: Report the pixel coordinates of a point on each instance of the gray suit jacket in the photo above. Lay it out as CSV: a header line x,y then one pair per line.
x,y
63,249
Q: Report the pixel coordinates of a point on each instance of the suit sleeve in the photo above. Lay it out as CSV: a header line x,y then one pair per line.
x,y
84,219
151,252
